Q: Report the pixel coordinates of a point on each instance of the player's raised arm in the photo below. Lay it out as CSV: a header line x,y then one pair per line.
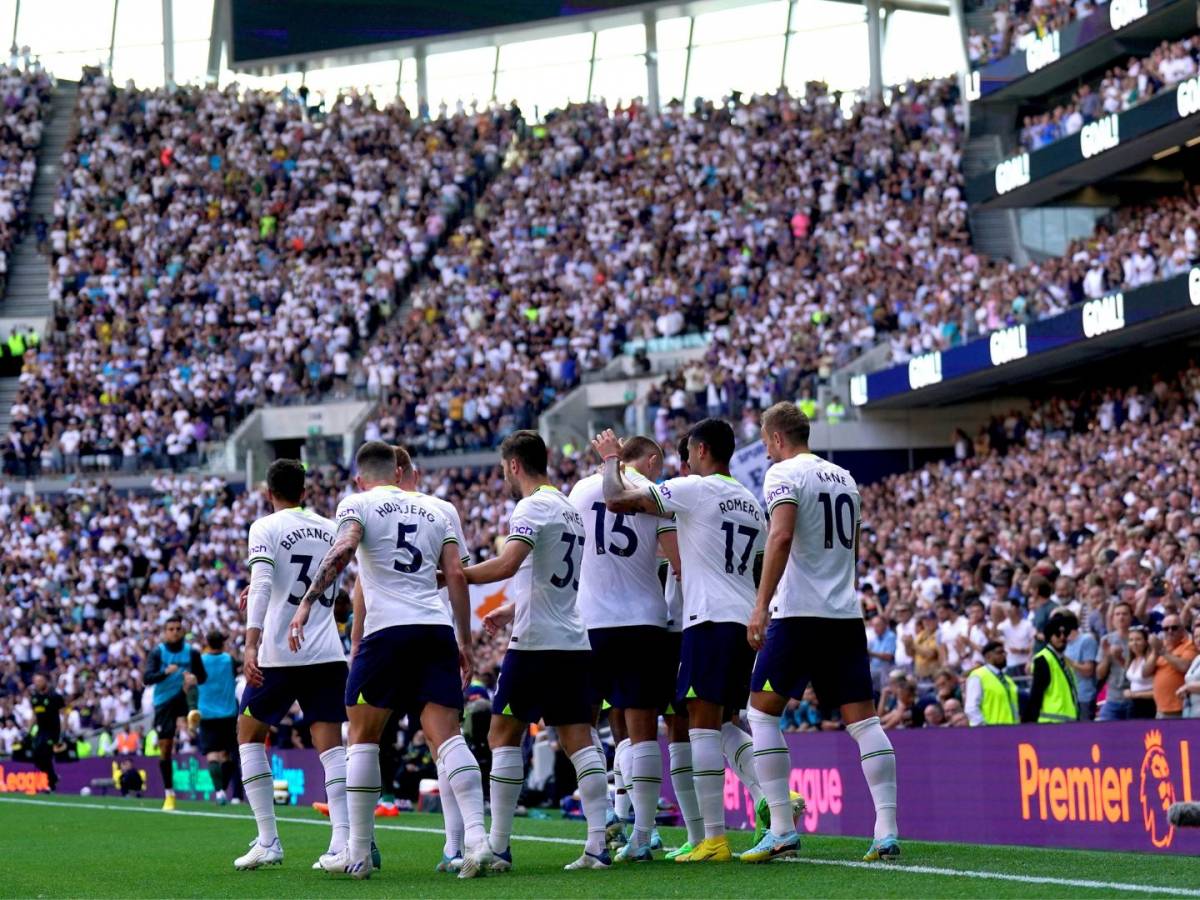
x,y
619,495
348,537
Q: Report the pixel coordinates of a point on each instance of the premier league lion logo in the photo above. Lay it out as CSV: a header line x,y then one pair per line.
x,y
1157,792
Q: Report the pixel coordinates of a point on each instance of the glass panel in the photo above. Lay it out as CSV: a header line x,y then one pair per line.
x,y
191,20
835,54
672,34
460,62
138,54
377,78
919,46
67,34
619,80
539,89
671,64
408,84
751,67
462,76
547,52
624,41
741,22
191,61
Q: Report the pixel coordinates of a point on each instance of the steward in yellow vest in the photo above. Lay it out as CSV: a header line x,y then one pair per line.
x,y
991,695
1053,697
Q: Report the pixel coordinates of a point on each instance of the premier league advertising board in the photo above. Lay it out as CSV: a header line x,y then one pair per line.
x,y
1093,786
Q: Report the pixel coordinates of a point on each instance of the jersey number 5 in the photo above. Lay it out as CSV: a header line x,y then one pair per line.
x,y
402,543
305,581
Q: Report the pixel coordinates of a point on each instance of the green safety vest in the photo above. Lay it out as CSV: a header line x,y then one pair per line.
x,y
808,406
83,749
1059,703
834,412
999,704
16,344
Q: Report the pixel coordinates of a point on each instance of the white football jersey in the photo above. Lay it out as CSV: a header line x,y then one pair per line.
x,y
674,598
398,557
819,577
464,554
722,530
546,585
618,578
294,543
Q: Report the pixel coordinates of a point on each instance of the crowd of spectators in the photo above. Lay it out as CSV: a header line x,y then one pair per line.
x,y
25,98
1091,505
1016,22
212,251
1121,88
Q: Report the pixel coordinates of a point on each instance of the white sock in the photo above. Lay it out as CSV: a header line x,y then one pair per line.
x,y
362,795
879,767
462,771
593,790
334,761
685,790
260,790
773,764
708,774
508,776
622,780
738,748
646,762
451,815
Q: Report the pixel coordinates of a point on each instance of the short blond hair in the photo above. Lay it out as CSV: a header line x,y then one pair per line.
x,y
787,419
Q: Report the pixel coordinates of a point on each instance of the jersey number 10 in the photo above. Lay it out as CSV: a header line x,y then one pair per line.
x,y
834,510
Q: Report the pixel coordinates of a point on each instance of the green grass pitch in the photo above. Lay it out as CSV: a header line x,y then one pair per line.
x,y
109,847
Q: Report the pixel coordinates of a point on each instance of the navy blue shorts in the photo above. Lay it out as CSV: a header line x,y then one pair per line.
x,y
318,689
406,666
552,686
218,735
830,653
714,664
632,667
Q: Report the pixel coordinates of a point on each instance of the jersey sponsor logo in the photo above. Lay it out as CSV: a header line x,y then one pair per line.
x,y
522,530
664,491
258,549
782,490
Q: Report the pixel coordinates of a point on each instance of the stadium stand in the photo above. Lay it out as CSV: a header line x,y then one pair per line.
x,y
26,96
1013,20
1121,88
222,250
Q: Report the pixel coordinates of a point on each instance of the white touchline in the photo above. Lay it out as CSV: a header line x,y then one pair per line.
x,y
844,863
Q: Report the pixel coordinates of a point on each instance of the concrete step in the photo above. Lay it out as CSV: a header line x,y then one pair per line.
x,y
8,395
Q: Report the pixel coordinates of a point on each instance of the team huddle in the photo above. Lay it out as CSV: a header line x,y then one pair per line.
x,y
680,598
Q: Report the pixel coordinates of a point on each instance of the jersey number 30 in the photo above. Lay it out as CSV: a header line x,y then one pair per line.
x,y
304,580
